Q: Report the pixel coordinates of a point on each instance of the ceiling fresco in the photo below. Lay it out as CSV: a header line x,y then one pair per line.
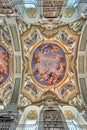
x,y
4,64
50,63
39,51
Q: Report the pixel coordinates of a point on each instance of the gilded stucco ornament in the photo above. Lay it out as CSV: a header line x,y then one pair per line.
x,y
32,114
78,25
68,12
77,102
68,115
42,51
22,25
23,101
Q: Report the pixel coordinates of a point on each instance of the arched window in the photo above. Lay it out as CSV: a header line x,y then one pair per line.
x,y
30,3
73,3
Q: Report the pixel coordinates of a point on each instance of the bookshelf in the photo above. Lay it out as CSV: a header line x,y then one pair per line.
x,y
52,8
52,119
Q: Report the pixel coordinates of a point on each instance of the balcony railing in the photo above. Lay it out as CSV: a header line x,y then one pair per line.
x,y
60,126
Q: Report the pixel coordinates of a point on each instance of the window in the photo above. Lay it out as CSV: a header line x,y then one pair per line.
x,y
30,3
73,3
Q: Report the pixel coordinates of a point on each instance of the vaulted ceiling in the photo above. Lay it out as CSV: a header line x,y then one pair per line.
x,y
43,50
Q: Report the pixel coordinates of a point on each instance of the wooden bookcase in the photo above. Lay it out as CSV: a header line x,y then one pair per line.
x,y
52,8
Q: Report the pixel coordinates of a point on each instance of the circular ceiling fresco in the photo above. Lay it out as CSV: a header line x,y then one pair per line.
x,y
48,64
4,64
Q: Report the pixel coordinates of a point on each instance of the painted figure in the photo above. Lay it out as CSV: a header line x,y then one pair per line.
x,y
4,64
48,64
